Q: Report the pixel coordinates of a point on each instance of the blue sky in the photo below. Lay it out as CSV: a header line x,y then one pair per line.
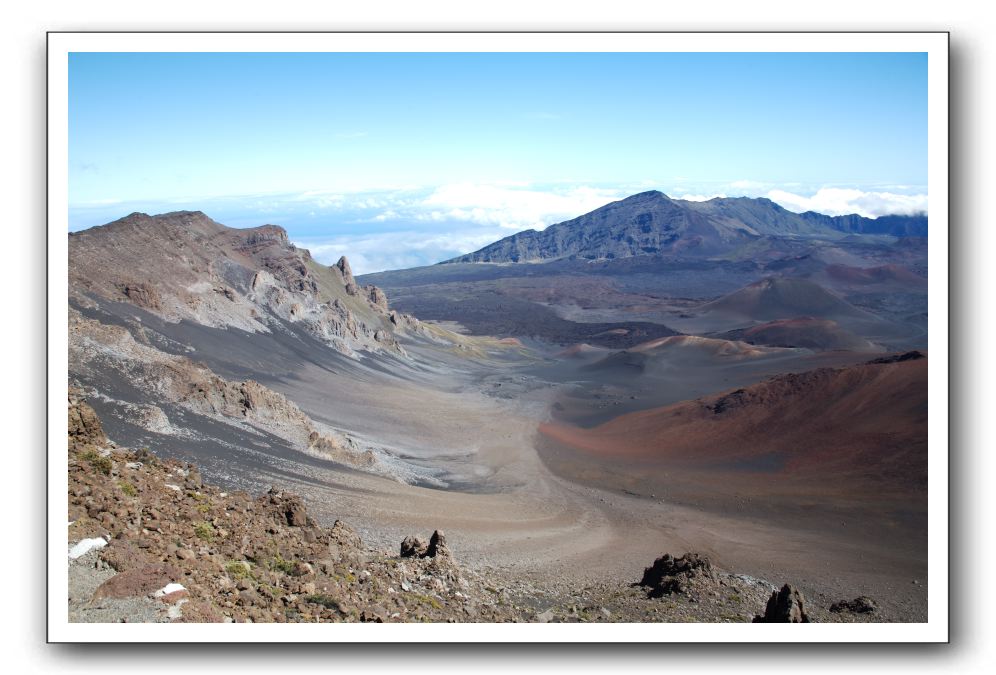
x,y
401,159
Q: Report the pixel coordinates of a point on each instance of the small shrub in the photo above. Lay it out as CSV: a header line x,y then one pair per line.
x,y
146,456
326,601
203,508
98,461
279,564
240,569
128,488
426,600
204,530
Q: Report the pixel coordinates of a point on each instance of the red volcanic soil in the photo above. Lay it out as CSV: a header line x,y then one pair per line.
x,y
580,349
709,347
807,332
853,431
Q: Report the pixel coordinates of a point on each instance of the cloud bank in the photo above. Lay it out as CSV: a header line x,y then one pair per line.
x,y
842,201
513,208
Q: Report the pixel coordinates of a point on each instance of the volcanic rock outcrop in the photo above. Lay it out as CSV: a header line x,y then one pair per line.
x,y
784,606
414,547
195,269
685,574
859,605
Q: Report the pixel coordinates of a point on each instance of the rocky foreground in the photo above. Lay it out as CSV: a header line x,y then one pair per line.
x,y
149,541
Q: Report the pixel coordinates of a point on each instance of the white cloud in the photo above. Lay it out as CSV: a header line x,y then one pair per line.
x,y
397,250
513,208
842,201
700,198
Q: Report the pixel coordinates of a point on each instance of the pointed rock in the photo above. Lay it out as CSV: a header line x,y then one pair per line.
x,y
785,606
437,545
346,273
376,297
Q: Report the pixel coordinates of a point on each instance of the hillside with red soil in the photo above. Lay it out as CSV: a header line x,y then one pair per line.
x,y
845,429
806,332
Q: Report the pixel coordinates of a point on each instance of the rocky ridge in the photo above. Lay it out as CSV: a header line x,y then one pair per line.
x,y
195,269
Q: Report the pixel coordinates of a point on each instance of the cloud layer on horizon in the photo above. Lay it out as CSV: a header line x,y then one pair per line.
x,y
843,201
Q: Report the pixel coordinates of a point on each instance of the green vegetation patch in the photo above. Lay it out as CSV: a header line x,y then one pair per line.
x,y
204,530
127,488
280,564
98,461
425,600
240,569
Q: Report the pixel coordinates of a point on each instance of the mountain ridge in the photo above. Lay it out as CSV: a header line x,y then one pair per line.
x,y
652,223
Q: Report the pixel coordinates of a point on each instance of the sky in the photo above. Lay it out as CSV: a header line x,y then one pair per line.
x,y
397,160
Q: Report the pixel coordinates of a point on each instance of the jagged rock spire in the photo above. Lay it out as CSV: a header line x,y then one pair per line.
x,y
346,272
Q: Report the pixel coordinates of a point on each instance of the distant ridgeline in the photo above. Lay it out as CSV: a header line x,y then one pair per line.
x,y
651,223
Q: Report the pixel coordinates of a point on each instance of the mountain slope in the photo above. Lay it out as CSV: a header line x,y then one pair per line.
x,y
191,335
858,425
183,266
783,298
651,223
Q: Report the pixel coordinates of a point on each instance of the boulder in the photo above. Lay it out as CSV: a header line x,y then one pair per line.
x,y
413,547
860,605
376,297
437,545
142,294
296,514
137,582
84,425
785,606
291,507
670,575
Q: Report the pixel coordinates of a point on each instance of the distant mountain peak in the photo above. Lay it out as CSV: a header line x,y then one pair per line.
x,y
651,223
649,195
